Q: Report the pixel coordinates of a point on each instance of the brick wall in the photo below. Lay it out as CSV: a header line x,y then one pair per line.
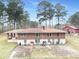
x,y
42,36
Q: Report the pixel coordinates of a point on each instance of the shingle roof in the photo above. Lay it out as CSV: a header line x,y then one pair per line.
x,y
37,30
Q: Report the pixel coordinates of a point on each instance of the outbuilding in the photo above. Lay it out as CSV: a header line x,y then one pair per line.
x,y
71,29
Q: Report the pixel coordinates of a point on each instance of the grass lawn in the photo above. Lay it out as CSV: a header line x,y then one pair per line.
x,y
40,52
73,42
5,47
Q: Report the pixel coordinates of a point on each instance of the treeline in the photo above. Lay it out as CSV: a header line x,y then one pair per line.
x,y
74,19
13,16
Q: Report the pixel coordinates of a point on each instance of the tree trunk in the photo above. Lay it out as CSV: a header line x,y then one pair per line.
x,y
39,24
52,24
2,27
10,28
49,23
46,23
15,24
58,22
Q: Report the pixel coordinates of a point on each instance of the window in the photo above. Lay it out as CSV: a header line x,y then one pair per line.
x,y
36,34
13,34
57,34
49,34
9,36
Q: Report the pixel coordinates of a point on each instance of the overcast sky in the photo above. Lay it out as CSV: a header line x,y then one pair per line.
x,y
72,6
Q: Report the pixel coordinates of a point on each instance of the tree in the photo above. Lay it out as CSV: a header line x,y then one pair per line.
x,y
60,12
25,20
14,10
45,11
33,24
74,19
51,13
2,9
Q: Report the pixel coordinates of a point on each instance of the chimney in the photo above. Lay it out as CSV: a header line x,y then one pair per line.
x,y
43,27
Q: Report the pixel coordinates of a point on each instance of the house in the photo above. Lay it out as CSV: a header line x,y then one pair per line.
x,y
71,29
37,36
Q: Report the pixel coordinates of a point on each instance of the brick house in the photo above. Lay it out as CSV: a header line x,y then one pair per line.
x,y
37,36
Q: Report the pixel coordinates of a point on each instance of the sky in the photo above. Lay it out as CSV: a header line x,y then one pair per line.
x,y
71,7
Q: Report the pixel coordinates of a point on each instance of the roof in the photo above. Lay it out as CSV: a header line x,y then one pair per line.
x,y
71,26
36,30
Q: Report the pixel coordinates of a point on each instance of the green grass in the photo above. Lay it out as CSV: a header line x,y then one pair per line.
x,y
5,47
